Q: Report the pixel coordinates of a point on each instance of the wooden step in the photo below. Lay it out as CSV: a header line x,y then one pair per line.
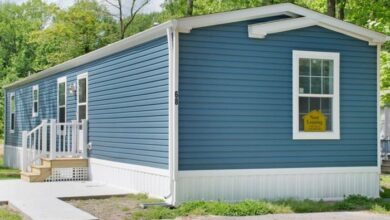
x,y
40,173
66,162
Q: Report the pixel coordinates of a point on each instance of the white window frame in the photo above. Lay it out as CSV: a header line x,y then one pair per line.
x,y
79,77
59,81
12,94
335,133
35,88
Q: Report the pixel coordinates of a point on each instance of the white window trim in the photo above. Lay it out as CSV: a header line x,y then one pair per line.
x,y
79,77
12,94
35,114
335,133
61,80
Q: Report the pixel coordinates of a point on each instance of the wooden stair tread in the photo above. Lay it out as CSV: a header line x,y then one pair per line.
x,y
40,166
29,174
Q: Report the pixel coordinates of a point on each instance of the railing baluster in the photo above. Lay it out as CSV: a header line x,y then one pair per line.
x,y
68,142
74,137
53,134
44,136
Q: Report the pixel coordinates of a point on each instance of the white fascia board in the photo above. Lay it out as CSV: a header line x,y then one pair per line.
x,y
142,37
262,29
186,24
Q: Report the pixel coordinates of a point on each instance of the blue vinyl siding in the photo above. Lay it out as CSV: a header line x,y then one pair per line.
x,y
128,105
235,107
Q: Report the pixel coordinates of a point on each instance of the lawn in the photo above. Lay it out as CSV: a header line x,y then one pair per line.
x,y
7,214
8,173
385,184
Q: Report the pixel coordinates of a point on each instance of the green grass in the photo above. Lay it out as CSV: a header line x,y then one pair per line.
x,y
385,184
248,208
6,214
7,173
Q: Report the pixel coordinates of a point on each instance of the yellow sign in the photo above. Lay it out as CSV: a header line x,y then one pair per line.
x,y
314,121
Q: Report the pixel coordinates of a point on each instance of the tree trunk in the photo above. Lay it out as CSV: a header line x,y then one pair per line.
x,y
190,7
342,4
332,8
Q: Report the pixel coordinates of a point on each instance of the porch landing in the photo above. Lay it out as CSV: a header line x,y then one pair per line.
x,y
40,201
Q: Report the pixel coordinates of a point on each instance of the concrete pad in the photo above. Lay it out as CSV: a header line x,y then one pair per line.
x,y
41,201
305,216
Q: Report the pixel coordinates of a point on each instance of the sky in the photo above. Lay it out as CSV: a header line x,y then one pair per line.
x,y
153,6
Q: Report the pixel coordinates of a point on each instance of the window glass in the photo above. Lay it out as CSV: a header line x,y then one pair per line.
x,y
82,90
61,94
61,112
82,112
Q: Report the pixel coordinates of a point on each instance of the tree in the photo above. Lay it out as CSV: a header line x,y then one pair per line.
x,y
190,7
125,21
331,8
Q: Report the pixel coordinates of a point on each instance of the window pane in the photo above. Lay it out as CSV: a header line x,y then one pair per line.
x,y
13,121
61,94
328,68
315,85
61,116
13,104
327,86
304,85
322,105
82,112
35,95
304,67
82,91
316,67
35,107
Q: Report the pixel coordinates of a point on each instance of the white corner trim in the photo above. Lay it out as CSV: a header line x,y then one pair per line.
x,y
262,29
378,100
173,45
335,133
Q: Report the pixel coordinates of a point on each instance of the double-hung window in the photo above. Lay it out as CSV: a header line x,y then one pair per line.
x,y
35,100
61,99
82,97
316,95
12,112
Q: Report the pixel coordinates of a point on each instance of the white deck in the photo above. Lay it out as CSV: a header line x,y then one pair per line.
x,y
40,200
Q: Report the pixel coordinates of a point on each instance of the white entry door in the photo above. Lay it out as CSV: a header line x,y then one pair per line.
x,y
82,104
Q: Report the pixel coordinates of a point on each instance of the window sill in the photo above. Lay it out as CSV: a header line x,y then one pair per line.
x,y
316,136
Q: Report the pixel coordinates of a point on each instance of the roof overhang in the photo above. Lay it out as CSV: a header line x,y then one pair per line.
x,y
300,17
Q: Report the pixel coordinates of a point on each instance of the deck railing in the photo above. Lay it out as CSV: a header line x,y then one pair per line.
x,y
52,139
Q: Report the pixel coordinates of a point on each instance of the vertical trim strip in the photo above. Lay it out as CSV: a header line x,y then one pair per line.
x,y
378,103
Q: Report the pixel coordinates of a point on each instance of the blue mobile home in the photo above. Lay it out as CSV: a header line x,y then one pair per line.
x,y
270,102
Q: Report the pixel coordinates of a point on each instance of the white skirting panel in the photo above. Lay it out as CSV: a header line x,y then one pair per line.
x,y
12,156
271,184
136,179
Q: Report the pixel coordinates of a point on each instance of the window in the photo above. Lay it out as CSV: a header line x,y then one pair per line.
x,y
82,96
61,99
12,112
316,95
35,100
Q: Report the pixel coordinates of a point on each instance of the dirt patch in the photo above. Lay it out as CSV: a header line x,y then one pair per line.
x,y
112,208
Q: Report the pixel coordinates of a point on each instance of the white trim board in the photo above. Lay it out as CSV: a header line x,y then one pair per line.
x,y
187,24
272,184
134,178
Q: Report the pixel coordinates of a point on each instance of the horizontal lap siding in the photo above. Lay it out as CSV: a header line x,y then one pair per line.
x,y
236,100
128,105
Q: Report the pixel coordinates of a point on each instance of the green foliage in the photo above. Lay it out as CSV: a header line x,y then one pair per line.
x,y
8,173
6,214
37,35
250,207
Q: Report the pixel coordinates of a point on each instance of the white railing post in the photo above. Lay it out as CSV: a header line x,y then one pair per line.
x,y
24,151
84,125
44,137
74,137
53,134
